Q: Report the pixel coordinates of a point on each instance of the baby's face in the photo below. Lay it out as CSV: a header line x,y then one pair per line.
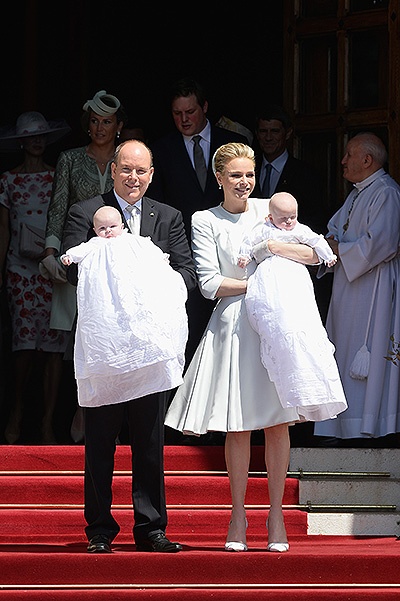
x,y
284,220
108,228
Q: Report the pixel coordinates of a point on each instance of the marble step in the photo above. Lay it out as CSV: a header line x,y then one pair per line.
x,y
349,491
345,460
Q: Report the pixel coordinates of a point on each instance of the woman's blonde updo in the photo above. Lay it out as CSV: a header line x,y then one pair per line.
x,y
234,150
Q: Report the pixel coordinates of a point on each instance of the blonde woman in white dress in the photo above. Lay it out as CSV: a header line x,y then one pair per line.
x,y
226,388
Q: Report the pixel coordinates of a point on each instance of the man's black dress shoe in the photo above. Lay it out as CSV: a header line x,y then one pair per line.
x,y
158,543
100,543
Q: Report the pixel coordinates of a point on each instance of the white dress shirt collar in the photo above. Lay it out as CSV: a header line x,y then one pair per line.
x,y
368,180
123,204
205,142
204,133
278,163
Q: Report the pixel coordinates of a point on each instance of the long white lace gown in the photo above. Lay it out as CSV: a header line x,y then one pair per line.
x,y
295,348
132,323
294,345
226,387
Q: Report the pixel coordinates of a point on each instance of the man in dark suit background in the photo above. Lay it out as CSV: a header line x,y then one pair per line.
x,y
273,130
132,172
176,182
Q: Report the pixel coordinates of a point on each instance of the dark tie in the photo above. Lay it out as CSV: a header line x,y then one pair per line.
x,y
199,162
265,193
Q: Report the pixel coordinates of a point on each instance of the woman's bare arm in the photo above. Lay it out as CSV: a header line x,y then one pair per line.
x,y
231,287
297,252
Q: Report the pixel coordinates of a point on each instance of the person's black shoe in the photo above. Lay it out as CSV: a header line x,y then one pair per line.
x,y
158,543
100,543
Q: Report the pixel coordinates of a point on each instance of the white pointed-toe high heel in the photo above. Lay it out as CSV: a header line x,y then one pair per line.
x,y
277,547
234,545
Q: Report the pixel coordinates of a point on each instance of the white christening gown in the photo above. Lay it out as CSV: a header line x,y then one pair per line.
x,y
294,344
132,323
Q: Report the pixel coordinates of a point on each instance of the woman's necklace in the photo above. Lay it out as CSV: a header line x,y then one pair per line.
x,y
93,156
357,194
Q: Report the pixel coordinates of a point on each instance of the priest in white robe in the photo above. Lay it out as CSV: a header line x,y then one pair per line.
x,y
363,319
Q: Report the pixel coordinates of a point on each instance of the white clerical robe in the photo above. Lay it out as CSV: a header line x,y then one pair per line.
x,y
369,245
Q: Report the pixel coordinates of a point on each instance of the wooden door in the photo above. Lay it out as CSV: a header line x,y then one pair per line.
x,y
342,75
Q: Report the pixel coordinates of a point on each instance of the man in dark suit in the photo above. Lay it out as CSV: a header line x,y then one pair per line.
x,y
177,183
132,171
273,129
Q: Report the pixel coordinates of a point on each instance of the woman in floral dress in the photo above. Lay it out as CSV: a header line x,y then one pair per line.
x,y
25,193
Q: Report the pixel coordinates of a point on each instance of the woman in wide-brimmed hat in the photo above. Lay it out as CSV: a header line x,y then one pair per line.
x,y
30,124
81,173
25,193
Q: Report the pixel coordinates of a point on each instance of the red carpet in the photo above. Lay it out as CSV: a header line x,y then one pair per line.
x,y
205,594
43,547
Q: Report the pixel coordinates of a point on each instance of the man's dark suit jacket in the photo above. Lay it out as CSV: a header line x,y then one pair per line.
x,y
175,181
162,223
304,182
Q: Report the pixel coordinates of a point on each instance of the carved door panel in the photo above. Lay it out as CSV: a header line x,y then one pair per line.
x,y
342,75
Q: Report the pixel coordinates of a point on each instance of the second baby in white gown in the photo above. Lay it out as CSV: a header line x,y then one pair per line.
x,y
281,307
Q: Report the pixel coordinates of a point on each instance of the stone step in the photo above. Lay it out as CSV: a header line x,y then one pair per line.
x,y
357,523
345,460
350,490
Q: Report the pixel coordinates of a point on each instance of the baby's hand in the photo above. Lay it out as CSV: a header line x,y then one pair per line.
x,y
331,262
65,259
243,262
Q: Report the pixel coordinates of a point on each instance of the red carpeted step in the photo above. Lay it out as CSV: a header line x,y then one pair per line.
x,y
180,490
43,550
203,526
217,594
70,458
310,561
